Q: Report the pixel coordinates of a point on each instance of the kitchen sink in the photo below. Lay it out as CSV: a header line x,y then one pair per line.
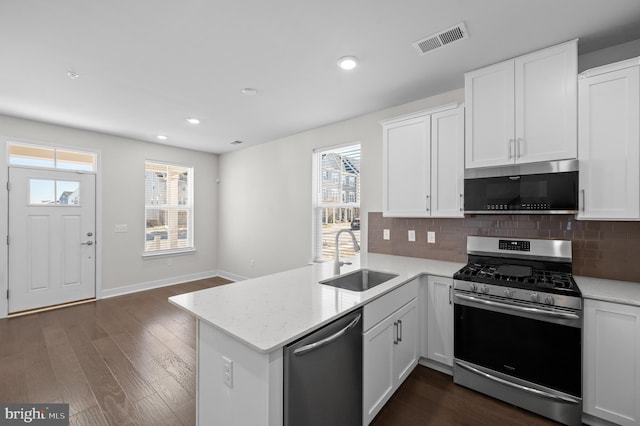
x,y
360,280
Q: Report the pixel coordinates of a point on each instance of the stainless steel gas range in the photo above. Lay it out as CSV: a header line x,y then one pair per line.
x,y
518,325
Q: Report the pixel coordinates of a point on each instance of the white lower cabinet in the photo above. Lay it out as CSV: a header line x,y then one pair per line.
x,y
611,381
439,320
390,353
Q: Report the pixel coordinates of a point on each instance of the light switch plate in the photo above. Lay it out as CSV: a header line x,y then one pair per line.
x,y
386,234
431,237
411,235
121,228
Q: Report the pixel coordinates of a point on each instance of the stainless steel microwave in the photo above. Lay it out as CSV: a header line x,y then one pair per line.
x,y
543,188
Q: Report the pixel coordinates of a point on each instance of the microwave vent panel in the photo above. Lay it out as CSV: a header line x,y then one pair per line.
x,y
441,39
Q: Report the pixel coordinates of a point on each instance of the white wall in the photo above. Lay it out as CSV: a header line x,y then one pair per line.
x,y
122,182
265,191
609,55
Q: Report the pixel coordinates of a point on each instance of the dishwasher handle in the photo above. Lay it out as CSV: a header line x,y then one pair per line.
x,y
320,343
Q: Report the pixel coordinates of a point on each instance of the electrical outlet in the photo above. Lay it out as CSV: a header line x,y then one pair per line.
x,y
431,237
120,228
386,234
411,235
227,371
169,262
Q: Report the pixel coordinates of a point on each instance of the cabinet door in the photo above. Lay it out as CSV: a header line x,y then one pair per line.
x,y
406,168
406,348
546,104
609,132
612,362
447,163
489,119
440,320
377,374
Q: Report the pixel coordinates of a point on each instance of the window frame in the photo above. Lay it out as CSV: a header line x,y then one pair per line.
x,y
178,206
334,198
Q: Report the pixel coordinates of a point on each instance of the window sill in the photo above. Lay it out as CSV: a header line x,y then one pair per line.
x,y
166,253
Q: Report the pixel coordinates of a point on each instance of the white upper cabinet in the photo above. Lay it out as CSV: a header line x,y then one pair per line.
x,y
423,169
523,110
609,139
447,163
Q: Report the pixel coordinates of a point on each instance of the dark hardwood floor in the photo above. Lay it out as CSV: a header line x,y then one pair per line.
x,y
130,360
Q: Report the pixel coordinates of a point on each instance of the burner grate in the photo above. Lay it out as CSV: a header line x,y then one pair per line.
x,y
513,274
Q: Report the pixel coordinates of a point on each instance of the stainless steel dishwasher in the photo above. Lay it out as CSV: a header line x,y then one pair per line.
x,y
323,375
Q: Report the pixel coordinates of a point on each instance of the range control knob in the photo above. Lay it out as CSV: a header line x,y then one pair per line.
x,y
473,287
508,292
535,297
549,300
484,289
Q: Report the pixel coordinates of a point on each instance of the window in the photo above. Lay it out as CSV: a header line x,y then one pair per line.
x,y
168,208
336,200
48,157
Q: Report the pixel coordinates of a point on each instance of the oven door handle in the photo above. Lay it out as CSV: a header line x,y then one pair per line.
x,y
562,398
555,314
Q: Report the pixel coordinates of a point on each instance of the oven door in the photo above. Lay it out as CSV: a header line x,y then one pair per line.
x,y
534,344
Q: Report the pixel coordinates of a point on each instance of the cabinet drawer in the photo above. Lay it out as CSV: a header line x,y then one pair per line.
x,y
386,305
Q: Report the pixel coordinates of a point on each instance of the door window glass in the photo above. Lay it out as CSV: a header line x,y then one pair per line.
x,y
52,192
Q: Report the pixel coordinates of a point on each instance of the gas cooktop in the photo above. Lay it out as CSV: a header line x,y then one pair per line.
x,y
519,276
531,271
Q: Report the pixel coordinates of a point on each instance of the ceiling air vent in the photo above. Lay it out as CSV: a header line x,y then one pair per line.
x,y
440,39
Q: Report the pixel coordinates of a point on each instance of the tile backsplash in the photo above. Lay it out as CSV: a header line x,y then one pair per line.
x,y
602,249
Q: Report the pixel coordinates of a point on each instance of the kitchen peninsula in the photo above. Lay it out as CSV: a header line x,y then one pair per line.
x,y
249,323
243,327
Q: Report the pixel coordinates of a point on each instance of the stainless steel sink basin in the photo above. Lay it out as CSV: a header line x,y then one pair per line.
x,y
360,280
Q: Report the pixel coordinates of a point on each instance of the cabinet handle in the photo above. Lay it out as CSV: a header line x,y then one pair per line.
x,y
519,147
583,200
399,330
509,155
395,333
461,203
428,203
449,294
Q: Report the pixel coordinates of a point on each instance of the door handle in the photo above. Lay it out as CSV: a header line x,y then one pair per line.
x,y
88,243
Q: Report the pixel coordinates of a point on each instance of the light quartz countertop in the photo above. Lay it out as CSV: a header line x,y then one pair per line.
x,y
269,312
624,292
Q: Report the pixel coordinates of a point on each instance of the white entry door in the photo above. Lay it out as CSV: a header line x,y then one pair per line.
x,y
51,237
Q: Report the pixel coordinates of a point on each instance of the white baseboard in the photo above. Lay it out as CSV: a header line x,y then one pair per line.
x,y
231,276
134,288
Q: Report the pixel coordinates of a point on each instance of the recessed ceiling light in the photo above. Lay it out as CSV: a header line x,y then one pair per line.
x,y
249,91
162,137
348,62
72,75
193,120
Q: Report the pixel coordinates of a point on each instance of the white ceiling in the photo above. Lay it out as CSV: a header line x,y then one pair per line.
x,y
146,65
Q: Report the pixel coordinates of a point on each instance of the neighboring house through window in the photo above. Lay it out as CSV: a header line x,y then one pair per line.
x,y
336,199
168,208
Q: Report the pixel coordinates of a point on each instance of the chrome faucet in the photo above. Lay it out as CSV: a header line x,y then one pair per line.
x,y
337,264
